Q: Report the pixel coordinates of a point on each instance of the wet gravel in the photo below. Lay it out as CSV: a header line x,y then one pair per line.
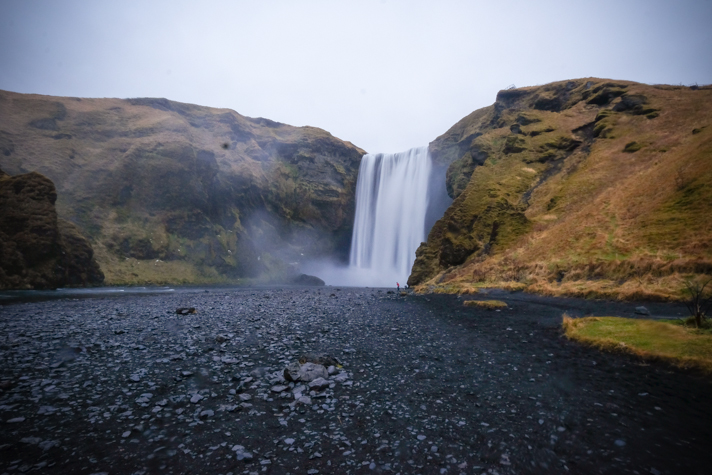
x,y
421,384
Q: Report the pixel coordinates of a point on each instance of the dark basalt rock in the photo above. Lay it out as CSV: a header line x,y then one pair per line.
x,y
632,147
605,94
305,279
38,250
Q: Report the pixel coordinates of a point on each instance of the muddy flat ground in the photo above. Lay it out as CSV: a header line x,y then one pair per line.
x,y
124,385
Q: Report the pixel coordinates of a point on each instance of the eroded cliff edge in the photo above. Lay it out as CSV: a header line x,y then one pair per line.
x,y
178,193
589,187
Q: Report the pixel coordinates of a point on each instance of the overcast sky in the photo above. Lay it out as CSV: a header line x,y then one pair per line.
x,y
386,75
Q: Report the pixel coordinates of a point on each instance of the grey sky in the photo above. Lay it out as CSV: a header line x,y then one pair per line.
x,y
385,75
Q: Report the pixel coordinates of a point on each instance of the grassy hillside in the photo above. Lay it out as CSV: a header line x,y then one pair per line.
x,y
178,193
589,187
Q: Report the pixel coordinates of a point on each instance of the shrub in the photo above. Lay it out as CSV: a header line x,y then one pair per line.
x,y
699,299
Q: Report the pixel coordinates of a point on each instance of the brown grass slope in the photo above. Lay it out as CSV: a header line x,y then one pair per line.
x,y
172,192
590,187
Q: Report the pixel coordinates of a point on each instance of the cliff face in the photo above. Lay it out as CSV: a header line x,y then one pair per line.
x,y
38,250
589,187
172,192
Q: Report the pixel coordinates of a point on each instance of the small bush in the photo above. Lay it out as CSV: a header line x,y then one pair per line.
x,y
691,322
700,297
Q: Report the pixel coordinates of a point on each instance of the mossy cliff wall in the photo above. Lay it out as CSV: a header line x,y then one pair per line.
x,y
586,187
172,192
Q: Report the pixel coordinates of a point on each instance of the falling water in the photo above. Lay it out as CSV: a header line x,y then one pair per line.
x,y
391,204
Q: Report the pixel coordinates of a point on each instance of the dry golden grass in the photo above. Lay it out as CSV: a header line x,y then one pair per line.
x,y
647,339
605,223
459,288
488,304
618,205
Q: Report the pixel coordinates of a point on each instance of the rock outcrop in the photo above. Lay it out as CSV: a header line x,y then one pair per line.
x,y
588,187
38,250
172,192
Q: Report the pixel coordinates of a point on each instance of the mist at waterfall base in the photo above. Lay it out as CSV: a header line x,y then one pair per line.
x,y
398,198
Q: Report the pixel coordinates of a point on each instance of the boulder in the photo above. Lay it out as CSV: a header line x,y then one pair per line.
x,y
241,453
319,384
38,250
305,279
305,372
310,372
291,372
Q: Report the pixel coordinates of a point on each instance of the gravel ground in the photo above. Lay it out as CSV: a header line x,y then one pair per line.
x,y
123,385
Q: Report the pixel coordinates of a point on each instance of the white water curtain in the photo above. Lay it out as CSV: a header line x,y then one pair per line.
x,y
391,201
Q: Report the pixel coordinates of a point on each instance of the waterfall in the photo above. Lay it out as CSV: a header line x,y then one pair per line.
x,y
391,204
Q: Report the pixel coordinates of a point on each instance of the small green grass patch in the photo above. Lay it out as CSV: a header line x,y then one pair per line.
x,y
649,339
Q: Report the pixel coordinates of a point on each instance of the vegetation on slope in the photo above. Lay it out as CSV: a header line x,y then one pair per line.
x,y
488,304
591,187
178,193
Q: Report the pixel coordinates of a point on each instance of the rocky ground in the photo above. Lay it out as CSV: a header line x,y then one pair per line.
x,y
419,384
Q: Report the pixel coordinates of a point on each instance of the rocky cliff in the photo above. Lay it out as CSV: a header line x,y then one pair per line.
x,y
588,187
38,250
172,192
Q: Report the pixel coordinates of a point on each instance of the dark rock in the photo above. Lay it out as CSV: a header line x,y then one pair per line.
x,y
606,93
516,129
525,120
459,172
186,311
324,360
634,104
318,384
552,104
632,147
455,253
37,249
291,372
310,372
305,279
304,372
